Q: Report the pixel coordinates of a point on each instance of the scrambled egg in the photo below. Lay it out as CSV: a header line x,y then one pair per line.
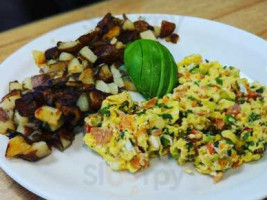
x,y
214,119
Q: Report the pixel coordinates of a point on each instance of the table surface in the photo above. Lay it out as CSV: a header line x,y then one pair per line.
x,y
250,15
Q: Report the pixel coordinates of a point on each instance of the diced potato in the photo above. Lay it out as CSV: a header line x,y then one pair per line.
x,y
71,114
56,127
86,53
128,25
119,82
20,119
113,32
41,149
87,76
63,139
39,57
75,66
83,103
5,126
72,46
166,29
105,74
113,41
8,102
85,63
39,80
117,76
15,85
49,115
102,86
119,45
96,98
51,61
65,143
27,83
116,73
148,34
18,147
65,56
157,31
113,88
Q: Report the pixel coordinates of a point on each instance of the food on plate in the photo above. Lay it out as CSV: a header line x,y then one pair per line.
x,y
42,111
214,118
151,67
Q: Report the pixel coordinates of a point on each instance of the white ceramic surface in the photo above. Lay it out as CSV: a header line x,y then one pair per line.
x,y
80,174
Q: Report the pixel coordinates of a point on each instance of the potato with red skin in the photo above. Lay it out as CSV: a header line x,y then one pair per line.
x,y
39,80
167,29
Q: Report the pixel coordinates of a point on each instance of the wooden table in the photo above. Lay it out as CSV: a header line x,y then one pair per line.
x,y
250,15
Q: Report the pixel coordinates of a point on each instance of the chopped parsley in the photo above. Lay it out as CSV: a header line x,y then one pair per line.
x,y
141,112
230,119
165,142
219,81
194,69
196,83
105,111
122,134
246,135
162,105
260,90
124,106
253,117
167,116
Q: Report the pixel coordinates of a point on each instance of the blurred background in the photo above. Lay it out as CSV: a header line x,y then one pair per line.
x,y
14,13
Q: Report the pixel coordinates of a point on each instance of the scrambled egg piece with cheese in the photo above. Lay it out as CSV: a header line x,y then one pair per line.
x,y
214,118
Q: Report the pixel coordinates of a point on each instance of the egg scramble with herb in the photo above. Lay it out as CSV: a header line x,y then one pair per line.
x,y
214,118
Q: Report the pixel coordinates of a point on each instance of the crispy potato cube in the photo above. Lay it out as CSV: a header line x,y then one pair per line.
x,y
113,88
15,85
167,28
16,146
70,47
157,31
117,76
27,83
5,126
20,119
119,45
128,25
39,57
19,147
39,80
41,149
87,53
75,66
105,74
148,34
83,103
8,102
64,56
49,115
113,41
96,98
55,66
102,86
87,76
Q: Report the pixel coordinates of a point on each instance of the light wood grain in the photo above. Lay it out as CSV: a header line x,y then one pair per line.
x,y
250,15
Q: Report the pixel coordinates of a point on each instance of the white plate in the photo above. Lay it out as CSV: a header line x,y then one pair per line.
x,y
80,174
